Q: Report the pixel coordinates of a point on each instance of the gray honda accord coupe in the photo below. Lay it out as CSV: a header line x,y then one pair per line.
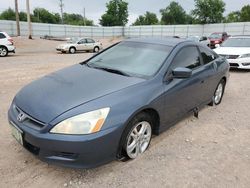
x,y
109,106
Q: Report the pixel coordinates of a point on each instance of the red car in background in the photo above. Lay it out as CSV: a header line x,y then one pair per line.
x,y
217,38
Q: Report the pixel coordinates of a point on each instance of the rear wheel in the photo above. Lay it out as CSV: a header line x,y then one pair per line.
x,y
219,92
72,50
3,51
96,49
137,136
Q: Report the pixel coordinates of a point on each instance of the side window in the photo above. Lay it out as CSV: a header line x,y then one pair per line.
x,y
2,36
187,57
83,41
206,55
90,41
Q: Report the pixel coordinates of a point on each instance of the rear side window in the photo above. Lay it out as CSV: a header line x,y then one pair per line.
x,y
83,41
187,57
90,41
206,55
2,36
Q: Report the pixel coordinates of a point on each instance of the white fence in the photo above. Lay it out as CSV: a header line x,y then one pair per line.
x,y
40,29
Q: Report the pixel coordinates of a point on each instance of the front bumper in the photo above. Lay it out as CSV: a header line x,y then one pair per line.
x,y
242,63
82,151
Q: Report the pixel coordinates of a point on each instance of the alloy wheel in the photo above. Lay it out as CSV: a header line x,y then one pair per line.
x,y
138,139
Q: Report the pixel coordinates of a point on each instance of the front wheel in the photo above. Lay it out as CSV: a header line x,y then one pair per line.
x,y
137,136
3,51
218,94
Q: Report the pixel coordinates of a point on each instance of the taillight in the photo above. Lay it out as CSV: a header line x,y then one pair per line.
x,y
11,40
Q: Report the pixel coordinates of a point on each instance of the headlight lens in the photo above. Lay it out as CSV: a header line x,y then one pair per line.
x,y
244,56
86,123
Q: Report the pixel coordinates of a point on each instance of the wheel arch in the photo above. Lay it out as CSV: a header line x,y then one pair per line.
x,y
155,129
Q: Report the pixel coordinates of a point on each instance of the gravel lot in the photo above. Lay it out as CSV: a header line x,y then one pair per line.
x,y
212,151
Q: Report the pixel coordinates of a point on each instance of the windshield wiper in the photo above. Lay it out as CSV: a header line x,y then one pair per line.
x,y
111,70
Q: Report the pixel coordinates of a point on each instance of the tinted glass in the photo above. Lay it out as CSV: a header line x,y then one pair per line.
x,y
136,59
215,36
82,41
237,42
2,36
206,55
90,41
187,57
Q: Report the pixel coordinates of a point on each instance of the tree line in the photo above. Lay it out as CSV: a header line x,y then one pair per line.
x,y
204,12
41,15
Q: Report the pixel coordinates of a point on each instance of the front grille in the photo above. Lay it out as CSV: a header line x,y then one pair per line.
x,y
29,121
234,64
229,56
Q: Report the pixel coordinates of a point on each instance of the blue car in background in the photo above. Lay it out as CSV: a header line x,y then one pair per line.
x,y
109,106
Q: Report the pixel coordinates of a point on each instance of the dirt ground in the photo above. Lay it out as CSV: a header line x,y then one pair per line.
x,y
212,151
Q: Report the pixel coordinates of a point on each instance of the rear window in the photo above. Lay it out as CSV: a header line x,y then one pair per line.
x,y
2,36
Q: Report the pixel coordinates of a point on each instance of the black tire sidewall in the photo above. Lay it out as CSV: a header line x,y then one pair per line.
x,y
130,126
223,84
70,50
96,49
6,51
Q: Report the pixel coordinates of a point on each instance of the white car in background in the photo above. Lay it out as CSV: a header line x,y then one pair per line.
x,y
236,50
203,40
6,44
85,44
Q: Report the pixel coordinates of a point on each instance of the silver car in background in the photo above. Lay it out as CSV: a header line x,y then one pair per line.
x,y
84,44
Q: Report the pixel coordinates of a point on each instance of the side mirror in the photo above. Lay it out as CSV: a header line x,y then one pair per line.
x,y
217,45
181,72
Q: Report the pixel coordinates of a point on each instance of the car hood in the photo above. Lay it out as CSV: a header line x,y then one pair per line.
x,y
232,50
56,93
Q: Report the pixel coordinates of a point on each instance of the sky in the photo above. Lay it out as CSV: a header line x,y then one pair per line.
x,y
95,8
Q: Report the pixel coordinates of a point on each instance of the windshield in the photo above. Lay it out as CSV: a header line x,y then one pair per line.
x,y
237,42
132,58
215,36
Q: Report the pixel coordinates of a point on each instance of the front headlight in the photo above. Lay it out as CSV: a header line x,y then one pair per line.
x,y
86,123
244,56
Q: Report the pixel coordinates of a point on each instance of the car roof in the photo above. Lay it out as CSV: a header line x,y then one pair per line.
x,y
161,41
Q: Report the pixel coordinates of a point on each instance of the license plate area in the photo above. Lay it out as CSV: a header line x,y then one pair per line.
x,y
16,133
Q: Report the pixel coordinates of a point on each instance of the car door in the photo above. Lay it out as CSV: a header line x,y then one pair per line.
x,y
90,44
81,45
209,59
183,95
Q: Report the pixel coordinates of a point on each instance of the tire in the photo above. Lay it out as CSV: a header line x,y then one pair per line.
x,y
3,51
96,49
136,136
219,92
72,50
